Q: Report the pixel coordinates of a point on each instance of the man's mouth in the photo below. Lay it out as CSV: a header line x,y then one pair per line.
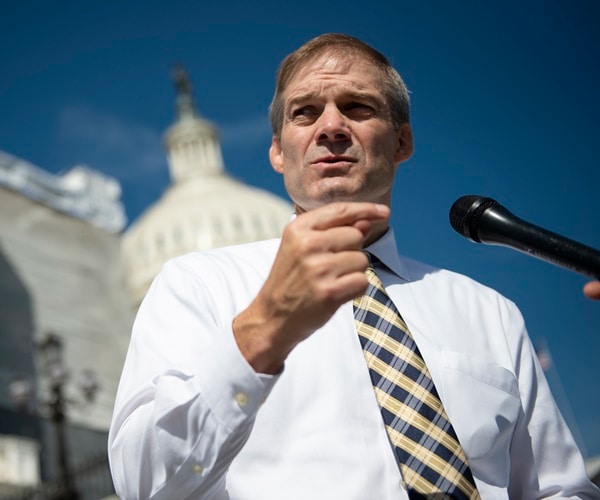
x,y
333,160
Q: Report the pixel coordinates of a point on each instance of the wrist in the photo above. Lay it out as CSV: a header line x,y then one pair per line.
x,y
257,341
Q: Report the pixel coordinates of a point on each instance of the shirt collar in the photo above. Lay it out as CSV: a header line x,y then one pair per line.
x,y
386,251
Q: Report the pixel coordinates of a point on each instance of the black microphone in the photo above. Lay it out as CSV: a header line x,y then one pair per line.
x,y
484,220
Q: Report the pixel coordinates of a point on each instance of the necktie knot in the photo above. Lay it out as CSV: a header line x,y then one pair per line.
x,y
371,272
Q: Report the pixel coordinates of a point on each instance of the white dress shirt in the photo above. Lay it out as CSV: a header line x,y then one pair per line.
x,y
193,420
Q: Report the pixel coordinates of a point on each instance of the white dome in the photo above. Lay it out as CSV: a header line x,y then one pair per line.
x,y
203,207
201,213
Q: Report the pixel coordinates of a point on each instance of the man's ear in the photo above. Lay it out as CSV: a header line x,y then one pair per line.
x,y
404,147
276,155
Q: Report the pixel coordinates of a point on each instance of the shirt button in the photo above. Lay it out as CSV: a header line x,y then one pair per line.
x,y
241,398
198,469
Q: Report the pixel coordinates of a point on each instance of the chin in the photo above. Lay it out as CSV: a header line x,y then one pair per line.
x,y
331,193
340,193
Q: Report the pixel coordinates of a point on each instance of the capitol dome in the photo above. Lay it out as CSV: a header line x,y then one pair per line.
x,y
202,208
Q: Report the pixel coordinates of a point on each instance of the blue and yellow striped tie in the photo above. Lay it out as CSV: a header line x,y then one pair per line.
x,y
432,461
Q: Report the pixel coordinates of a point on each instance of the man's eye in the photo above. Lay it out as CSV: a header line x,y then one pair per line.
x,y
359,109
304,115
303,111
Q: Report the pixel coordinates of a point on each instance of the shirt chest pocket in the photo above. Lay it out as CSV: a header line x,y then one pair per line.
x,y
483,404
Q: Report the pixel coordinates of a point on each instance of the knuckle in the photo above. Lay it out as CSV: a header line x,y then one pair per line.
x,y
341,209
357,239
310,243
362,261
326,294
291,230
313,269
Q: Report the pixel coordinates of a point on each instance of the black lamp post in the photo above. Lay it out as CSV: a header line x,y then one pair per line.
x,y
55,404
51,349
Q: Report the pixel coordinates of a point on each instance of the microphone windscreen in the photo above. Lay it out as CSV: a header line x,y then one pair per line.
x,y
466,212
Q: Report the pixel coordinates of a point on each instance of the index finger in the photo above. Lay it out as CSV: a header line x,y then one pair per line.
x,y
344,214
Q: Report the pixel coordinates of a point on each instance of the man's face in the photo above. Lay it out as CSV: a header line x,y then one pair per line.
x,y
338,142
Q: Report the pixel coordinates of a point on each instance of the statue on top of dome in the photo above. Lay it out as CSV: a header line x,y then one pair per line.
x,y
184,88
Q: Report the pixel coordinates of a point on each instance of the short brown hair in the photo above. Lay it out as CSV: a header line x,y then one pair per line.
x,y
394,90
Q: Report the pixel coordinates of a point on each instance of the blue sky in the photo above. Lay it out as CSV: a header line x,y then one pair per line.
x,y
504,104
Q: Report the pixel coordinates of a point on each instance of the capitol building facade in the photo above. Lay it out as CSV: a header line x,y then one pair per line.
x,y
72,276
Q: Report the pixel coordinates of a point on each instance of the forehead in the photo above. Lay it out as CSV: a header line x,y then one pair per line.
x,y
332,73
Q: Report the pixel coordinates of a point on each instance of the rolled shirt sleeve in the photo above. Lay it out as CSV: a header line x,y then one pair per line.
x,y
187,398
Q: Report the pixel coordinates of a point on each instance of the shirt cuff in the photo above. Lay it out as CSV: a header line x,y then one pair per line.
x,y
231,387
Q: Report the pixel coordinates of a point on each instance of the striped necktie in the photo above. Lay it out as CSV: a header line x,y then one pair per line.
x,y
432,462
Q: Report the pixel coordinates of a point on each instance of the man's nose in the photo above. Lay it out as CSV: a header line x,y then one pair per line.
x,y
332,125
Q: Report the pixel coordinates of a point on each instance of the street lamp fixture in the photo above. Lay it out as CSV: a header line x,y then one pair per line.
x,y
20,391
55,404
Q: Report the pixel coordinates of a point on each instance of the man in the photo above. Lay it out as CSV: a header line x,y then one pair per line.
x,y
246,379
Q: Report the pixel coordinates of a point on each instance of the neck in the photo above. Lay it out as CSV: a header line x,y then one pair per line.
x,y
377,230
